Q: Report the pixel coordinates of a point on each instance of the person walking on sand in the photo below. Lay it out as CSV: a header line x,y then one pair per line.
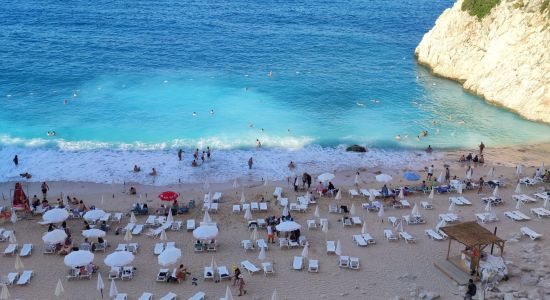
x,y
16,160
250,163
481,182
447,174
208,152
481,147
242,291
180,154
472,289
45,189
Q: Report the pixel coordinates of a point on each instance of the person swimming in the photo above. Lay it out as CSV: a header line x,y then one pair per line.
x,y
194,114
398,137
270,73
211,111
258,143
51,133
424,133
359,104
250,125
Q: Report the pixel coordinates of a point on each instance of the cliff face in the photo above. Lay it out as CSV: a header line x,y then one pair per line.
x,y
504,57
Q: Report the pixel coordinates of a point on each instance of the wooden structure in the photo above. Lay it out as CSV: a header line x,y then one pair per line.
x,y
475,237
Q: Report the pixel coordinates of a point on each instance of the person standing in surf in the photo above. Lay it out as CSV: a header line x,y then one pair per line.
x,y
180,154
250,163
208,152
16,160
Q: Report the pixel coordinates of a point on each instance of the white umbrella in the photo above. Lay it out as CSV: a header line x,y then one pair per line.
x,y
228,295
440,177
325,177
59,290
305,251
519,169
402,193
93,215
545,202
519,204
542,169
170,218
357,179
285,211
400,226
288,226
491,172
364,228
338,195
265,181
495,191
163,236
324,228
431,196
54,237
254,234
452,206
381,212
206,185
243,200
206,219
100,285
441,223
469,174
235,183
274,296
113,290
5,294
128,236
261,256
12,238
316,213
119,259
371,196
56,215
19,264
205,232
383,178
488,206
415,211
518,189
133,218
93,233
169,256
459,189
352,211
78,258
13,217
248,214
338,250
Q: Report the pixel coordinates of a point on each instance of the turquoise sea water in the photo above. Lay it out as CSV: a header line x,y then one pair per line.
x,y
119,83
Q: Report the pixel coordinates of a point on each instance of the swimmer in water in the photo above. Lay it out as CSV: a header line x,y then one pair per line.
x,y
461,122
262,129
65,101
246,89
359,104
437,130
250,125
194,114
211,111
288,130
74,94
398,137
375,101
270,73
258,143
51,133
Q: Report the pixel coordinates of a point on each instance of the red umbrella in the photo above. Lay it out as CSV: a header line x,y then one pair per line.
x,y
168,196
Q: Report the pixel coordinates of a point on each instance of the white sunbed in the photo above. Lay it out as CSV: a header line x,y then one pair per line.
x,y
323,221
512,215
282,202
190,224
392,220
359,240
25,278
254,206
456,201
268,268
356,221
522,215
5,235
146,296
138,229
354,263
332,208
524,198
464,200
426,205
331,247
247,245
263,206
353,193
311,224
530,233
405,203
388,233
133,247
223,272
117,217
159,247
246,206
433,235
208,273
543,196
540,212
217,197
250,267
26,250
407,237
169,296
11,278
486,217
121,247
122,296
313,266
129,227
368,238
10,250
150,221
298,263
278,192
343,261
365,192
198,296
262,244
236,208
346,222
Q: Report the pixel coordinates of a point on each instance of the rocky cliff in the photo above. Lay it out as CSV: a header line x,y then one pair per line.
x,y
503,56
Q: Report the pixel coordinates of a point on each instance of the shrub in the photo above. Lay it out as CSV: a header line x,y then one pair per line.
x,y
479,8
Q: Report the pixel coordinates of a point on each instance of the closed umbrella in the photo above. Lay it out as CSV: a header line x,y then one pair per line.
x,y
206,219
228,295
495,191
452,206
440,177
324,228
163,236
316,213
411,176
519,169
55,236
542,168
519,204
213,265
383,178
431,195
59,290
119,259
338,250
415,211
205,232
19,264
248,214
265,181
261,256
518,189
5,294
287,226
13,217
364,228
254,234
78,258
113,290
371,196
93,215
243,199
56,215
357,179
128,236
93,233
488,206
402,193
491,172
338,195
381,212
170,218
12,238
133,218
169,256
305,251
325,177
441,223
469,174
274,296
100,285
459,189
352,211
545,202
400,226
285,211
235,183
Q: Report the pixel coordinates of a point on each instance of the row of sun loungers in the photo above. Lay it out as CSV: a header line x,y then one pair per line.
x,y
486,217
460,201
19,279
495,200
540,212
253,206
524,198
169,296
516,215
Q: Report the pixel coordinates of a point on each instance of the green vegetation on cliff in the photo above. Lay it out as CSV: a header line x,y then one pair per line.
x,y
479,8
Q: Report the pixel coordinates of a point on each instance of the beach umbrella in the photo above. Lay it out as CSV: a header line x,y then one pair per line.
x,y
402,193
452,206
265,181
235,183
542,168
469,174
169,256
254,234
228,295
119,259
316,213
488,206
113,290
491,172
56,215
357,180
364,228
163,236
324,228
371,195
381,212
100,285
274,295
103,200
338,250
440,177
411,176
441,223
205,232
243,200
213,265
518,189
93,233
287,226
12,238
415,211
54,237
495,191
459,188
206,219
519,169
59,290
133,218
206,185
78,258
338,195
352,211
383,178
5,294
19,264
519,204
93,215
128,236
545,202
170,218
248,214
285,211
431,195
168,196
305,251
400,226
13,217
261,256
325,177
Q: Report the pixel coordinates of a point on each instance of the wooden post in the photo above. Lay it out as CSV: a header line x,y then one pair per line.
x,y
449,249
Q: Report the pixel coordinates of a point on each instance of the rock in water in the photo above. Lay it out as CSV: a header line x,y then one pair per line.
x,y
356,148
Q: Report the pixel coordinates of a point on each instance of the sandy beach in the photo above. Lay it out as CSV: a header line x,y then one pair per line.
x,y
388,270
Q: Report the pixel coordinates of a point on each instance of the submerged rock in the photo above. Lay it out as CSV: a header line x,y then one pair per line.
x,y
356,148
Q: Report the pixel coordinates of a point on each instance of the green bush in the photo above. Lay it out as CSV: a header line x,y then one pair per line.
x,y
479,8
544,6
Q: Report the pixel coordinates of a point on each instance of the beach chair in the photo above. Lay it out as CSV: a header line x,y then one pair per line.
x,y
49,249
250,267
138,229
522,215
313,266
354,263
262,244
73,273
100,246
150,221
397,205
346,222
388,233
332,208
246,206
129,227
146,296
464,200
543,196
268,268
407,237
365,192
368,238
298,263
302,240
115,273
426,205
311,224
392,220
263,206
11,278
353,193
208,273
261,223
356,221
159,247
217,197
331,247
530,233
176,226
11,249
540,212
359,240
236,208
122,296
405,203
169,296
121,247
247,245
211,246
162,275
283,242
133,247
5,235
26,250
117,217
190,224
433,235
213,207
25,278
512,216
254,206
198,296
524,198
278,192
343,262
323,221
294,207
224,273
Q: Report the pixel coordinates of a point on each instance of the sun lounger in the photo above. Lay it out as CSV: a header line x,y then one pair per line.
x,y
49,249
407,237
464,200
26,250
25,278
263,206
169,296
323,221
208,273
197,296
246,206
262,244
486,217
530,233
247,245
283,242
133,247
513,216
268,268
456,201
129,227
5,235
426,205
388,233
356,221
250,267
298,263
10,250
217,197
354,263
528,181
115,273
137,230
282,202
346,222
397,205
11,278
146,296
121,247
392,220
236,208
522,215
159,247
494,200
311,224
332,208
365,192
190,224
150,221
313,266
223,272
359,240
254,206
331,247
524,198
543,196
294,207
343,262
540,212
278,192
368,238
117,217
105,218
100,246
353,193
405,203
121,296
433,235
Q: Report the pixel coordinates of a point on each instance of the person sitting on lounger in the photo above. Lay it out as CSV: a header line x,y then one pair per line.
x,y
331,189
67,246
35,202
